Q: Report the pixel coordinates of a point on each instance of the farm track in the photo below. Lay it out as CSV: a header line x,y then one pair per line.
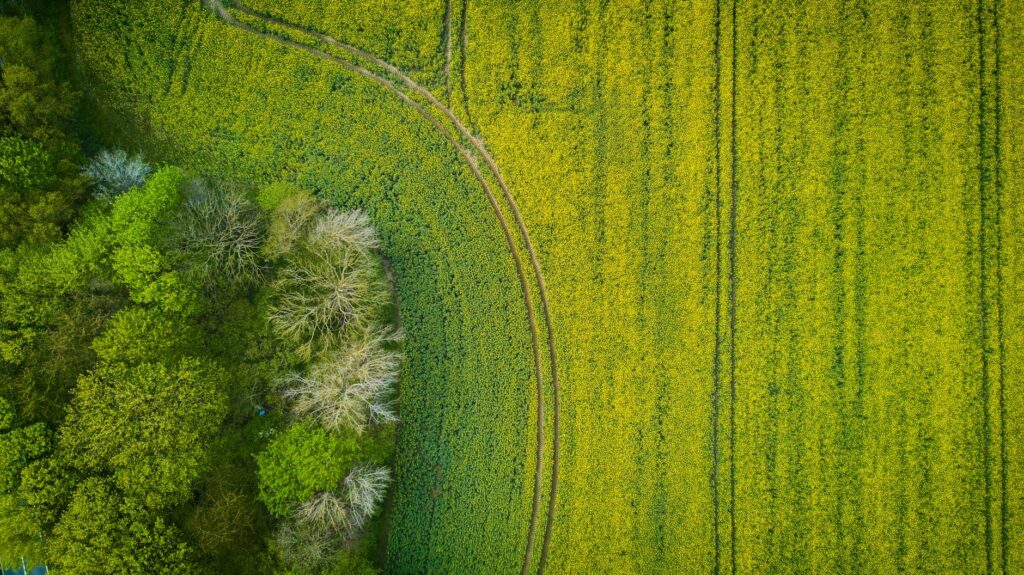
x,y
472,163
447,41
463,48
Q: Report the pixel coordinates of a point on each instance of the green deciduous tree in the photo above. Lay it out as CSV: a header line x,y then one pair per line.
x,y
39,180
140,218
22,450
301,461
138,334
148,424
37,195
104,532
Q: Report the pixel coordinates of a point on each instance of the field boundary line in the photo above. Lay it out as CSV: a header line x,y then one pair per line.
x,y
733,282
984,191
471,161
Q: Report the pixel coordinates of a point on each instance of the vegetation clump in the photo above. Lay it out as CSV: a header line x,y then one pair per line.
x,y
114,172
195,280
324,475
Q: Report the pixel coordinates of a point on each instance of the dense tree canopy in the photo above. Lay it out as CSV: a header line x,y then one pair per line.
x,y
301,461
103,532
147,424
40,182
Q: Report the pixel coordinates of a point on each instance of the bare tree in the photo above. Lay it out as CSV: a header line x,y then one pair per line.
x,y
303,546
336,229
328,288
366,487
327,512
346,511
114,172
352,387
222,233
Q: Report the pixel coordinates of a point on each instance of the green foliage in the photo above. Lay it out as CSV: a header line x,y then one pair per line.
x,y
20,531
147,424
139,220
844,289
39,180
46,488
36,198
271,196
227,516
34,101
6,415
18,447
103,532
301,461
146,334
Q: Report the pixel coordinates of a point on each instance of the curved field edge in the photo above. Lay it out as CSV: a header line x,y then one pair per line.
x,y
471,162
467,337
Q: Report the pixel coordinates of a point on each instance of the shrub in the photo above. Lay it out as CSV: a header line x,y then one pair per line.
x,y
114,172
349,388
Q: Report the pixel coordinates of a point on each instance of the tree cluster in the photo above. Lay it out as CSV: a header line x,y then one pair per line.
x,y
324,475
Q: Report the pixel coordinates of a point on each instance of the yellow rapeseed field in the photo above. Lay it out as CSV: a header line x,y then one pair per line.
x,y
781,244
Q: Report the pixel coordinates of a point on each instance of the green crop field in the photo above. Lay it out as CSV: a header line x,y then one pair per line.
x,y
687,287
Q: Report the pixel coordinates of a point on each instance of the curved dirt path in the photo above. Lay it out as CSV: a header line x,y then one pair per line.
x,y
471,161
447,40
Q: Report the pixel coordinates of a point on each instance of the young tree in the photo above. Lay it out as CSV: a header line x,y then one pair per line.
x,y
147,424
350,388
